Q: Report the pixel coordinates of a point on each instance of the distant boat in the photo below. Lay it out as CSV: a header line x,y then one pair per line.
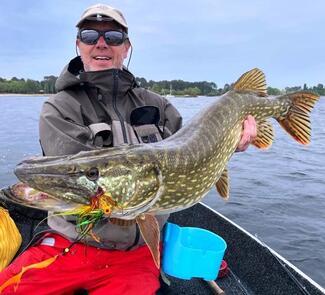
x,y
170,95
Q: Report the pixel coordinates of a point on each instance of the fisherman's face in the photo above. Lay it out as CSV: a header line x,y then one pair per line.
x,y
100,56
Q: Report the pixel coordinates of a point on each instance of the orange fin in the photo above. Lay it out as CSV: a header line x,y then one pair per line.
x,y
222,185
150,232
265,134
253,80
16,279
296,121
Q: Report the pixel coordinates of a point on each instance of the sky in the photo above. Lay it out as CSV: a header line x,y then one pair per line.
x,y
202,40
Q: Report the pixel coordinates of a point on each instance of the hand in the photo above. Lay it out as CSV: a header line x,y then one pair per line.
x,y
248,135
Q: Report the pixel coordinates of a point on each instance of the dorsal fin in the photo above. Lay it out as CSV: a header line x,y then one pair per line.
x,y
253,80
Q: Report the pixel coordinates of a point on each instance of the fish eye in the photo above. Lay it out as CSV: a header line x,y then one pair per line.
x,y
92,174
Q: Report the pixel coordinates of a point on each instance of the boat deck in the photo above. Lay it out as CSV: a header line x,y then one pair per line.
x,y
231,285
253,267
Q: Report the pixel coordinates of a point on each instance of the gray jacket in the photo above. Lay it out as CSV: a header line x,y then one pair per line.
x,y
94,110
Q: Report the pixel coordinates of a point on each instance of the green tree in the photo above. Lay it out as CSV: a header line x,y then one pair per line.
x,y
48,84
192,91
273,91
292,89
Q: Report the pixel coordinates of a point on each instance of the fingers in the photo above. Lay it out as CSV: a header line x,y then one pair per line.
x,y
251,125
248,135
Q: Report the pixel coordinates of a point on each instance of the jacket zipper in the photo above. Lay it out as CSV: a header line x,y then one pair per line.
x,y
115,88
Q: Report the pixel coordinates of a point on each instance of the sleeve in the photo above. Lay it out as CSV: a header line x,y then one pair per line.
x,y
60,135
173,120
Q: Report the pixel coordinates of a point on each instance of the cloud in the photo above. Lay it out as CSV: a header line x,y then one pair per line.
x,y
196,40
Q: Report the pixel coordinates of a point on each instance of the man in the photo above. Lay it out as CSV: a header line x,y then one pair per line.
x,y
99,105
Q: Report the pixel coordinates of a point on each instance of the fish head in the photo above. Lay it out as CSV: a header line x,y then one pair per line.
x,y
60,177
129,184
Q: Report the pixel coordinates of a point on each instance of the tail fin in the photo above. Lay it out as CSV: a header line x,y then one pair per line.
x,y
297,122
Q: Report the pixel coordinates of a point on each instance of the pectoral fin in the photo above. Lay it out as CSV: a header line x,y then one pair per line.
x,y
222,184
150,232
265,134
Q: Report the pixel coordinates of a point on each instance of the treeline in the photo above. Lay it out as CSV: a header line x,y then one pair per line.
x,y
319,89
179,87
174,87
29,86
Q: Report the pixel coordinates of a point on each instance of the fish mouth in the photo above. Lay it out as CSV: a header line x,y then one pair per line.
x,y
54,179
46,166
24,195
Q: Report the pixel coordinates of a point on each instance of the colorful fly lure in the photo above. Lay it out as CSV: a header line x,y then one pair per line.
x,y
88,215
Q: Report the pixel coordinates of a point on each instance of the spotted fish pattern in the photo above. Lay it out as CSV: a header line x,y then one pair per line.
x,y
175,173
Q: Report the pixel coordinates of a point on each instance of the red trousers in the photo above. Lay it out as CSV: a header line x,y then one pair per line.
x,y
84,267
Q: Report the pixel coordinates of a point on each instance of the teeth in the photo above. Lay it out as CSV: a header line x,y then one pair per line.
x,y
102,57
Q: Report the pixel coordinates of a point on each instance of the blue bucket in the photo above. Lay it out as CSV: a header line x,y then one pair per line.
x,y
192,252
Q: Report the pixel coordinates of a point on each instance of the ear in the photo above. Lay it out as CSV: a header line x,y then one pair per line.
x,y
127,45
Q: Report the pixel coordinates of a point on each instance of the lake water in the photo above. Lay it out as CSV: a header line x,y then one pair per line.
x,y
277,195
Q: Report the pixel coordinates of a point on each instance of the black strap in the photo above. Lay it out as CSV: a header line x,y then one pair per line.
x,y
137,237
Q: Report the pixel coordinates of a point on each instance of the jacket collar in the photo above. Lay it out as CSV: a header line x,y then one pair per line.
x,y
74,74
108,80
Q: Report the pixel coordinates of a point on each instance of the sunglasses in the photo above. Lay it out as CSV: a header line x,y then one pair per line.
x,y
112,38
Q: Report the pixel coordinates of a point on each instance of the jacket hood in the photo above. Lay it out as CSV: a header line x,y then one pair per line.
x,y
73,74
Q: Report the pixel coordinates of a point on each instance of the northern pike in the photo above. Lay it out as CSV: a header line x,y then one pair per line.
x,y
142,180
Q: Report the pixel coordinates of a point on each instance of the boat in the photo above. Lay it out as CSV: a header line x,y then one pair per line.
x,y
253,267
170,95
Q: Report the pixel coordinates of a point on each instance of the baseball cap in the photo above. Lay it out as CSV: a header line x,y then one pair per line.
x,y
103,12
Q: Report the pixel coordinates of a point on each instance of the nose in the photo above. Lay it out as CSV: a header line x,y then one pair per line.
x,y
101,43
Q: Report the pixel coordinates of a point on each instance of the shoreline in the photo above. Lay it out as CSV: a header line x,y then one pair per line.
x,y
26,94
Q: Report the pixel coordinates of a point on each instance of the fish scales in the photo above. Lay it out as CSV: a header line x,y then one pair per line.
x,y
223,144
177,172
140,181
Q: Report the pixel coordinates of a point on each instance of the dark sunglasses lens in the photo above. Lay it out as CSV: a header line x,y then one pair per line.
x,y
89,36
114,37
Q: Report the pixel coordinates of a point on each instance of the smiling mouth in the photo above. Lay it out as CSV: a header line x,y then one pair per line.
x,y
102,58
